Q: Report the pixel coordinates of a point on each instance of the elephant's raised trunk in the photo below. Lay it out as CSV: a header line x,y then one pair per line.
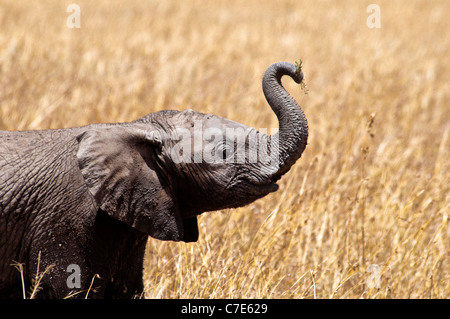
x,y
293,128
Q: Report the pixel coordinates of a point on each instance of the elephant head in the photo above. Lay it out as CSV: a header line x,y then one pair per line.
x,y
158,173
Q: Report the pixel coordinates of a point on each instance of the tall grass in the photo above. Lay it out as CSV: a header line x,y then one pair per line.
x,y
363,213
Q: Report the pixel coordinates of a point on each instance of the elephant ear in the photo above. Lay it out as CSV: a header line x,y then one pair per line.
x,y
119,167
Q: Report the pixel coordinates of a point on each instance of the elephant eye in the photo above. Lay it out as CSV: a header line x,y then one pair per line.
x,y
224,150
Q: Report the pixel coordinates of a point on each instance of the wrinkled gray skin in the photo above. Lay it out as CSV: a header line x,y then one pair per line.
x,y
91,195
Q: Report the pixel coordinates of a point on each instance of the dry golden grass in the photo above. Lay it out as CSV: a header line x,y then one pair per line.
x,y
372,187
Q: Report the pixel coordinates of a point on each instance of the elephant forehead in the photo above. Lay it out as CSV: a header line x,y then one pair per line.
x,y
191,118
212,121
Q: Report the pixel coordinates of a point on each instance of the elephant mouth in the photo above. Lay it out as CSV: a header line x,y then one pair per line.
x,y
255,185
268,185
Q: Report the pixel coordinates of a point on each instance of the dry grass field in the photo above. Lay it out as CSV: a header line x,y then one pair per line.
x,y
363,213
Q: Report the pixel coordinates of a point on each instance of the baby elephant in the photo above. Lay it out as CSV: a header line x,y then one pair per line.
x,y
81,202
